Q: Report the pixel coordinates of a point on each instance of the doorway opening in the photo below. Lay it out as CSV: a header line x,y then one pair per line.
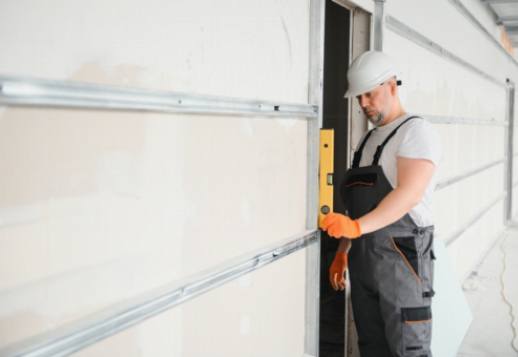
x,y
347,30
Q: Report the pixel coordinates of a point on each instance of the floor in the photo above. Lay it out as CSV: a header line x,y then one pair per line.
x,y
492,294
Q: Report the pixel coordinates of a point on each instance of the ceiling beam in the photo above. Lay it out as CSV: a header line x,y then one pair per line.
x,y
499,1
507,20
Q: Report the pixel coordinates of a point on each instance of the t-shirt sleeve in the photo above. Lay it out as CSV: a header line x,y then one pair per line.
x,y
421,141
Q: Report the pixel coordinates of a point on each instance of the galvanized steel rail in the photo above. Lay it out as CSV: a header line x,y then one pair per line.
x,y
452,180
85,332
441,119
469,15
416,37
315,96
458,233
18,91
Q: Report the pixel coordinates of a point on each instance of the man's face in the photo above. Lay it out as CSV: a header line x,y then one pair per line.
x,y
376,103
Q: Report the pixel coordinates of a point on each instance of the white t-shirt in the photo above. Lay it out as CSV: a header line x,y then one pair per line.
x,y
416,139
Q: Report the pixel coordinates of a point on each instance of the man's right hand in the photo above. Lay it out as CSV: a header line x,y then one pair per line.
x,y
337,271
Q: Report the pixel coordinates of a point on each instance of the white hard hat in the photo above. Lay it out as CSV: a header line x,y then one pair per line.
x,y
367,71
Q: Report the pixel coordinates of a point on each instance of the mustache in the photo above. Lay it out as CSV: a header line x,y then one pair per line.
x,y
374,113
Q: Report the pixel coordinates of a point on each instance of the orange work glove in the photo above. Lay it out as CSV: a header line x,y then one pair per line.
x,y
338,226
337,271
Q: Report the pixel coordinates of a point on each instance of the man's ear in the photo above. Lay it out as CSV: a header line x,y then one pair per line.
x,y
393,87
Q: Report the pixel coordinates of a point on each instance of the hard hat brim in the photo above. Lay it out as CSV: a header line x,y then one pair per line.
x,y
353,92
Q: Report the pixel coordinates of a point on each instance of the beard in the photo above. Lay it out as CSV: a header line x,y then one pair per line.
x,y
376,119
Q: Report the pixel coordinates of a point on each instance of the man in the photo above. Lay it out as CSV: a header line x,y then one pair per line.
x,y
387,232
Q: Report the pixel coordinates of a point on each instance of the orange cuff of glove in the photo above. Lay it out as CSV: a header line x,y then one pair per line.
x,y
338,226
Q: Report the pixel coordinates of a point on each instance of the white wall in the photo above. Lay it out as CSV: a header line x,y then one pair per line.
x,y
98,206
435,85
486,18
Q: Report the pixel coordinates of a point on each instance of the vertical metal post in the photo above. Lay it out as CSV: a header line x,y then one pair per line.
x,y
360,41
378,24
509,150
315,97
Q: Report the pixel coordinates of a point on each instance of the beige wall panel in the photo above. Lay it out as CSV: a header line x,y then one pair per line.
x,y
261,314
469,250
435,85
211,47
103,206
441,22
99,206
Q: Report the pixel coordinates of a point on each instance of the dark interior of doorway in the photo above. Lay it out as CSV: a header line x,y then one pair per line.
x,y
335,116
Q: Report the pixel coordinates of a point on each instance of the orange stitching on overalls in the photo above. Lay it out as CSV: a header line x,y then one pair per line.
x,y
360,183
406,260
417,321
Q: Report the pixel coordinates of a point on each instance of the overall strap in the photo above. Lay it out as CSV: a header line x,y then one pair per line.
x,y
358,154
380,148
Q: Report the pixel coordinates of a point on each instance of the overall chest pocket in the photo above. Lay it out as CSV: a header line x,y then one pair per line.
x,y
360,193
361,180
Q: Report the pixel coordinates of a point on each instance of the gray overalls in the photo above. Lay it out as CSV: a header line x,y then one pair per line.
x,y
391,269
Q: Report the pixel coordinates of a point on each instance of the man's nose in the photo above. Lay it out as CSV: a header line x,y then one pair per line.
x,y
362,100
